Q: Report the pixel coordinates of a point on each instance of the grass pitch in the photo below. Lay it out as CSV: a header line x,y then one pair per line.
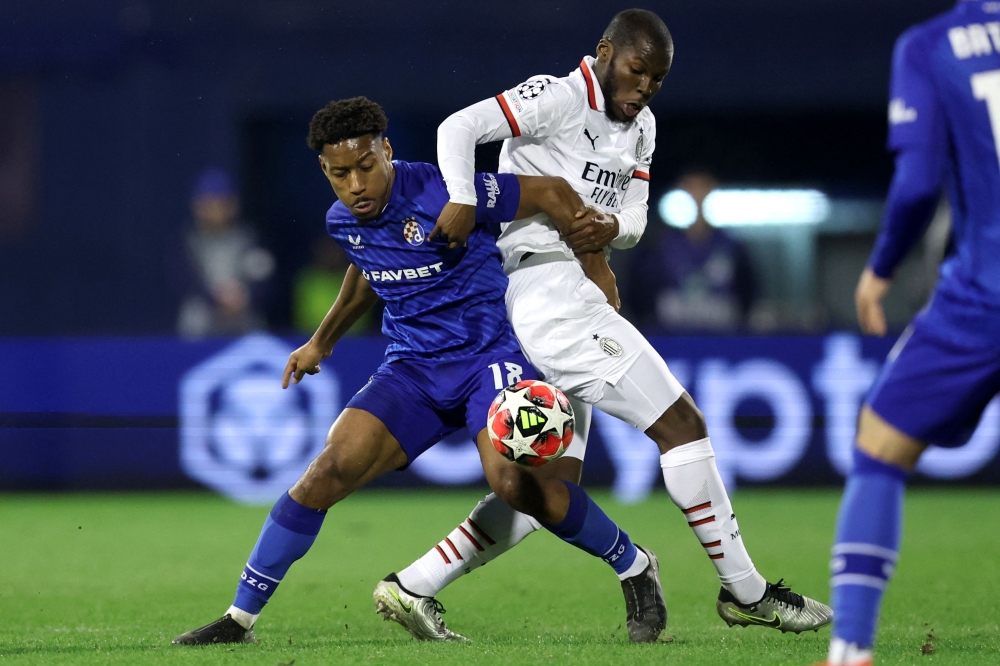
x,y
111,579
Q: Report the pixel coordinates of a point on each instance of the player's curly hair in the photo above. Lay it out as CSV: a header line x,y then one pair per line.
x,y
345,119
632,25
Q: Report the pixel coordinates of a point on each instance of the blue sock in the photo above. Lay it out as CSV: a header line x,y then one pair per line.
x,y
588,528
288,534
866,547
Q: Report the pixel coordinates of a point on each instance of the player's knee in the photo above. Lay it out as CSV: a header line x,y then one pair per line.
x,y
681,424
881,440
331,477
510,485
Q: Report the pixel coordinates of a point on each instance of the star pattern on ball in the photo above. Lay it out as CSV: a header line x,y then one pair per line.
x,y
514,401
555,419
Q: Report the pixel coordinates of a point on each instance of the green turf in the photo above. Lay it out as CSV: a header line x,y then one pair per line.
x,y
111,579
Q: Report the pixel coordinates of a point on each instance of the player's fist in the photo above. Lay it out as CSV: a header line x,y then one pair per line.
x,y
303,361
454,224
592,230
868,300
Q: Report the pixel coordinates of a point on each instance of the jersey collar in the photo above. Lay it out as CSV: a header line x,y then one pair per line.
x,y
595,96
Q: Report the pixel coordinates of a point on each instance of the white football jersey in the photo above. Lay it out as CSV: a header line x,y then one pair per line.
x,y
555,127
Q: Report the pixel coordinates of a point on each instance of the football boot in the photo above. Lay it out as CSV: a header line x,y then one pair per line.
x,y
780,609
421,616
645,607
223,630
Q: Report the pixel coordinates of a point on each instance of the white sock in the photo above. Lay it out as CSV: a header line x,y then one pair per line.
x,y
638,566
491,529
843,653
694,485
243,618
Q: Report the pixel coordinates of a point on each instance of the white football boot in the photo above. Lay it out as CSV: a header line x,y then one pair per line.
x,y
421,616
780,609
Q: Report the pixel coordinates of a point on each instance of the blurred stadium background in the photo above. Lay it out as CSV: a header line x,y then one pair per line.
x,y
113,111
130,131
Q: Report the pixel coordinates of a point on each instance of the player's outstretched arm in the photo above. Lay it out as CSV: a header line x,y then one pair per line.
x,y
356,298
509,114
557,199
457,138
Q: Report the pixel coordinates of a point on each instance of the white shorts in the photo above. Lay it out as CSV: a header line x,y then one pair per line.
x,y
580,344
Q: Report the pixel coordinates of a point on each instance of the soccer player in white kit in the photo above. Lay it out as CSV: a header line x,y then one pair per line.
x,y
592,128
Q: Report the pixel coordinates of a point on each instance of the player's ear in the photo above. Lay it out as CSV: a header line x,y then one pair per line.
x,y
605,51
387,148
323,164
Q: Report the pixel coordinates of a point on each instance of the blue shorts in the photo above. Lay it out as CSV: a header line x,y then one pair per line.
x,y
942,373
423,401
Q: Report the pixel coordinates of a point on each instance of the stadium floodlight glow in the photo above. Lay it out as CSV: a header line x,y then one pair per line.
x,y
747,207
678,209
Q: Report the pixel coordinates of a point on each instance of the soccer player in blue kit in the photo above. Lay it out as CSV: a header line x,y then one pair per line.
x,y
447,322
944,126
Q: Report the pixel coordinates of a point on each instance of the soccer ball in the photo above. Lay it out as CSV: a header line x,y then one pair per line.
x,y
530,423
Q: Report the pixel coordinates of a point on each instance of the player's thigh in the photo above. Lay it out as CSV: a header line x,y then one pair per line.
x,y
644,394
567,329
936,382
397,395
883,441
570,465
359,448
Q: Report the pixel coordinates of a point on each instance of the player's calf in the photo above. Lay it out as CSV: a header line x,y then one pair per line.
x,y
359,448
566,510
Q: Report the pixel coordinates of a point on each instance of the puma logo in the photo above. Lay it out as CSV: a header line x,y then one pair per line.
x,y
592,139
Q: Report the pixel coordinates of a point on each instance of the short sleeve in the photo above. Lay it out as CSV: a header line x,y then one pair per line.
x,y
535,106
915,115
497,197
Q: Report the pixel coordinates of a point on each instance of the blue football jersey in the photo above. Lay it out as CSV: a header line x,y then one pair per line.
x,y
946,96
440,303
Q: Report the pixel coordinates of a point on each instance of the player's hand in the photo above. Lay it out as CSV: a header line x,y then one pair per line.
x,y
454,224
868,300
591,231
303,361
595,266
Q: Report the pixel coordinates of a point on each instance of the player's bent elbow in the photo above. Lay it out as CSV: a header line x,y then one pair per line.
x,y
452,123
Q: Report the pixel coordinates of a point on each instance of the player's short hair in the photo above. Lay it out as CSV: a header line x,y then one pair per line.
x,y
632,26
345,119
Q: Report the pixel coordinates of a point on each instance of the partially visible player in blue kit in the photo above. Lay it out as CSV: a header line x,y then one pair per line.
x,y
451,351
944,126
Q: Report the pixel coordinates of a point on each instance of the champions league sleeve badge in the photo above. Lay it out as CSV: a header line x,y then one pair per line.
x,y
530,89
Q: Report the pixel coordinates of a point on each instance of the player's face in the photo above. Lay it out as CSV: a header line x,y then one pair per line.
x,y
631,76
360,171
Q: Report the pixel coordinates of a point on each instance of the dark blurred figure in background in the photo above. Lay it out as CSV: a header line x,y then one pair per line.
x,y
697,279
317,286
223,273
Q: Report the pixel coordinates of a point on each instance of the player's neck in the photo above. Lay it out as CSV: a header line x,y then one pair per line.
x,y
392,183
